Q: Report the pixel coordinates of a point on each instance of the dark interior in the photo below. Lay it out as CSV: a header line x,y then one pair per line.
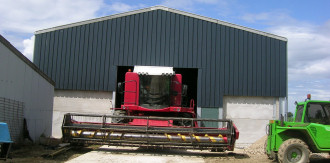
x,y
121,71
189,78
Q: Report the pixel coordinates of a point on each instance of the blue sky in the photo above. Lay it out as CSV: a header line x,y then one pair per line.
x,y
305,23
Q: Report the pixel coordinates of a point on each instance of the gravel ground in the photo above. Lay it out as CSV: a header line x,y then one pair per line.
x,y
253,153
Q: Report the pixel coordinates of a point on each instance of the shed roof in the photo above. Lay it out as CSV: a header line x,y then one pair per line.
x,y
24,59
165,9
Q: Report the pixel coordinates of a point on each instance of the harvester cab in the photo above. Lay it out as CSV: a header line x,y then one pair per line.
x,y
154,91
151,114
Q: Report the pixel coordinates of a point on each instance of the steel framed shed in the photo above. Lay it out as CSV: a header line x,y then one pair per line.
x,y
231,60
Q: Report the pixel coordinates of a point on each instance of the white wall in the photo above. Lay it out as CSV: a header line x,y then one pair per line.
x,y
250,115
18,81
91,102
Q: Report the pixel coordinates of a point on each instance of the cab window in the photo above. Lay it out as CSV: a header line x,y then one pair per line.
x,y
299,113
317,113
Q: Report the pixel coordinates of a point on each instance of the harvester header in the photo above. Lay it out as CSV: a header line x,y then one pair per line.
x,y
152,113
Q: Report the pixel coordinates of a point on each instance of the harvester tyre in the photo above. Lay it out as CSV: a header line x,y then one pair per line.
x,y
119,113
186,123
293,151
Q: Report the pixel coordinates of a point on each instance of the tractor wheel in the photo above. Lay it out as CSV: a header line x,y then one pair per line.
x,y
119,113
293,150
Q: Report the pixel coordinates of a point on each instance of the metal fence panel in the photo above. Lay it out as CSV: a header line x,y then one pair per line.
x,y
11,112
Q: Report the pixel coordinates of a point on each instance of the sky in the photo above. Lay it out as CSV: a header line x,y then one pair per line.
x,y
305,23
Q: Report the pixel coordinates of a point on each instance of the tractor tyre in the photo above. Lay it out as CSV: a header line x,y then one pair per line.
x,y
293,150
119,113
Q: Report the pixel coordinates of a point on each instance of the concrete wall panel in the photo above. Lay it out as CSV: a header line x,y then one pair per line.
x,y
250,115
90,102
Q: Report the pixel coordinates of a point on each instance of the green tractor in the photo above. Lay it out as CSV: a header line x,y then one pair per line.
x,y
309,132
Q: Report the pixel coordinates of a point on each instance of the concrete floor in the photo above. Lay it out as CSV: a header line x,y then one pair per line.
x,y
136,155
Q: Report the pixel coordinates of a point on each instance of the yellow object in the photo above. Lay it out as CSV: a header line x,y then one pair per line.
x,y
197,138
212,139
183,138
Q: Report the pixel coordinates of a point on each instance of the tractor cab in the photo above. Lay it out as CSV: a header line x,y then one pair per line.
x,y
313,111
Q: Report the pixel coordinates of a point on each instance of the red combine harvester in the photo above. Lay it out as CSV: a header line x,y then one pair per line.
x,y
152,114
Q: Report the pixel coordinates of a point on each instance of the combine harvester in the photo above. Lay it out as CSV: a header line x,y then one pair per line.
x,y
152,114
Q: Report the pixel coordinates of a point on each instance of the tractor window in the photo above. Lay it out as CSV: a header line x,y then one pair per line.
x,y
317,113
300,111
327,110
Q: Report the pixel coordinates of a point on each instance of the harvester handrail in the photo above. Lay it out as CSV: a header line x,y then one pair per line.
x,y
132,91
70,122
149,117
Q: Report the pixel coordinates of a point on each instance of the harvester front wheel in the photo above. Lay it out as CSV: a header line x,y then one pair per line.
x,y
118,119
293,150
186,123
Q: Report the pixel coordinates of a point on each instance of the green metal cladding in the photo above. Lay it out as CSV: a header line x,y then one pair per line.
x,y
230,61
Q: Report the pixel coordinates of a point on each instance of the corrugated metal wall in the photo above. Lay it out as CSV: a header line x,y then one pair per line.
x,y
230,61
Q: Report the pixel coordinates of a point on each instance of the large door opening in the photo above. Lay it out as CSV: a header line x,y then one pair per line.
x,y
189,78
121,71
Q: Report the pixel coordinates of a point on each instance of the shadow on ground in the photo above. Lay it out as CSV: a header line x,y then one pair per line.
x,y
172,152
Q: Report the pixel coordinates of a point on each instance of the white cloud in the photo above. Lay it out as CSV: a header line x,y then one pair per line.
x,y
308,44
268,18
194,5
179,4
20,18
118,7
308,53
29,16
321,94
28,47
308,60
308,50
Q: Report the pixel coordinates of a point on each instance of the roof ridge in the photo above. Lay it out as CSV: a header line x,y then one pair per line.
x,y
159,7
